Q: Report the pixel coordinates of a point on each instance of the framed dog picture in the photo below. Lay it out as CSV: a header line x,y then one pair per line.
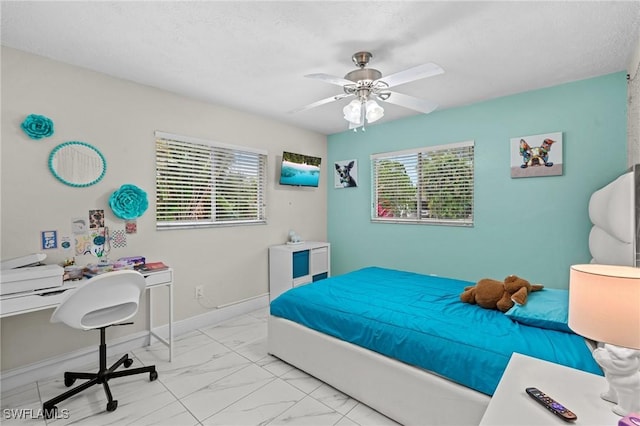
x,y
346,174
536,155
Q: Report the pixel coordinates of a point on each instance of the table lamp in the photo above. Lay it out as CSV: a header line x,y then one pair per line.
x,y
604,305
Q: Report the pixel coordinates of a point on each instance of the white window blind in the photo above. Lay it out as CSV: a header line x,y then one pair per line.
x,y
432,185
201,183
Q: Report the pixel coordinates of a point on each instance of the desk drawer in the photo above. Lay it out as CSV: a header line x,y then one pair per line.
x,y
31,303
157,278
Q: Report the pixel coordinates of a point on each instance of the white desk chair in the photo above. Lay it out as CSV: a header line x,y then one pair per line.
x,y
104,300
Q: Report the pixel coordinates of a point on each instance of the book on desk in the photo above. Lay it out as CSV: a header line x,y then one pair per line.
x,y
151,267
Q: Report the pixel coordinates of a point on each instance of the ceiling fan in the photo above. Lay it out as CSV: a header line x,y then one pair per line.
x,y
368,85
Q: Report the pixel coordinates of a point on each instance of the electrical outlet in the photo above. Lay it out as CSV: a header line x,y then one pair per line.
x,y
199,292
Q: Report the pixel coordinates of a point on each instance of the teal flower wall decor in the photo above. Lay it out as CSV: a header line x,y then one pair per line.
x,y
37,126
129,202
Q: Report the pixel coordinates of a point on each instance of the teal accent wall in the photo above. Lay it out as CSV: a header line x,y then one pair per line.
x,y
532,227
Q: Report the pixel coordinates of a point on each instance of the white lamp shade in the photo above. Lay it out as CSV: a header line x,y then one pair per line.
x,y
353,111
604,303
374,111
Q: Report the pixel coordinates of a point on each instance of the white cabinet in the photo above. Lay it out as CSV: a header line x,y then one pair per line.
x,y
291,265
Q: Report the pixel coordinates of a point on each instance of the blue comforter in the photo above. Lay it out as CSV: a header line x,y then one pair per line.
x,y
419,319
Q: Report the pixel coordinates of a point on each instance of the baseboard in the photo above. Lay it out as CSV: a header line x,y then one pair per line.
x,y
56,366
216,316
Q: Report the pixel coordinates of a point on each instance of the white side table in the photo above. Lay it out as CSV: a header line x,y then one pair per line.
x,y
577,390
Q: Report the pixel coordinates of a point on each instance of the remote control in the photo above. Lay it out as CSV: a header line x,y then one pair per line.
x,y
551,405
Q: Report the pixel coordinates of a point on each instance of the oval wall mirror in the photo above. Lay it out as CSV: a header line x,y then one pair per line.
x,y
77,164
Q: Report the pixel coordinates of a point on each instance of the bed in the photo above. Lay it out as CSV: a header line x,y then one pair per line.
x,y
405,345
447,378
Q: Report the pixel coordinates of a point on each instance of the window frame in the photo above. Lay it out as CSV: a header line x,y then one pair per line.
x,y
413,159
216,151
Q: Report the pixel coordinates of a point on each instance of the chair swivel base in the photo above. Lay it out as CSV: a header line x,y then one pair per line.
x,y
101,377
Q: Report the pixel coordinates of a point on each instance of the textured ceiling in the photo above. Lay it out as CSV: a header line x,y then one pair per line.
x,y
252,55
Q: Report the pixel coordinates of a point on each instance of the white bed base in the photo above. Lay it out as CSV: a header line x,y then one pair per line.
x,y
408,395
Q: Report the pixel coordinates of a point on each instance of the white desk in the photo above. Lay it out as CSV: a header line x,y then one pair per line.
x,y
577,390
37,300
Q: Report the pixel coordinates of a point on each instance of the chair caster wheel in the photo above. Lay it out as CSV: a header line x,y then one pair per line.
x,y
68,382
128,363
111,406
49,412
153,376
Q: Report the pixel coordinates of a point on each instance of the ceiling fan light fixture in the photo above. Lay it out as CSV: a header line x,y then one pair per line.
x,y
367,85
374,111
353,111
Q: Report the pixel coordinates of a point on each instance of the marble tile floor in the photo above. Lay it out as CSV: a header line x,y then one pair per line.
x,y
221,375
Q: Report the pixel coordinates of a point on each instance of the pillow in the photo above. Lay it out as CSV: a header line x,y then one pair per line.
x,y
547,308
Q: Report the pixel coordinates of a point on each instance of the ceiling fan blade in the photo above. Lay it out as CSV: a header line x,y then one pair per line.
x,y
421,71
321,102
410,102
338,81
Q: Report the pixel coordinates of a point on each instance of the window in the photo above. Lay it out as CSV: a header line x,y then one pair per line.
x,y
203,184
432,185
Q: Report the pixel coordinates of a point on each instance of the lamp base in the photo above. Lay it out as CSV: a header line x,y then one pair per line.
x,y
622,370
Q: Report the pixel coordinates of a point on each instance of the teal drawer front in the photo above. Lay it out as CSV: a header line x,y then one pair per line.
x,y
300,263
319,277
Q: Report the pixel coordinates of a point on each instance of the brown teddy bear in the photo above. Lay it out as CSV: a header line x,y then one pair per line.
x,y
493,294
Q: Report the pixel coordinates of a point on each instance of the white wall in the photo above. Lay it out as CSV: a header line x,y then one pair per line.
x,y
119,118
633,112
